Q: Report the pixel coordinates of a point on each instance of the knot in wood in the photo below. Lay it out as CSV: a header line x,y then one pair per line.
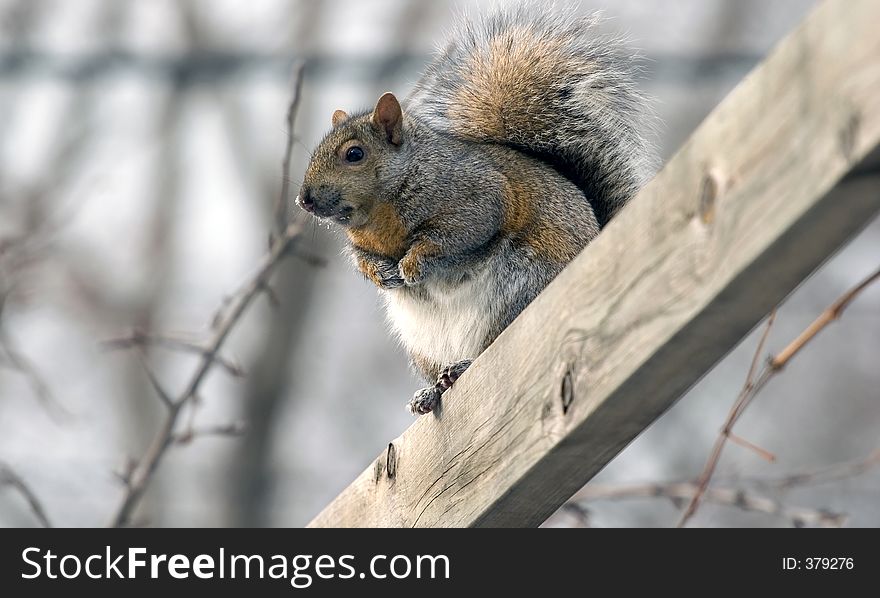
x,y
566,391
391,461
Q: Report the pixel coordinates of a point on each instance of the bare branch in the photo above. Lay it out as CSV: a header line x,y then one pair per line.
x,y
754,384
8,477
126,470
143,474
833,312
223,322
746,500
157,386
735,411
823,475
16,360
139,338
761,452
679,492
232,429
280,211
271,296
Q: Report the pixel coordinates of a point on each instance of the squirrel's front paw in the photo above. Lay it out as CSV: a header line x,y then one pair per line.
x,y
425,400
384,272
388,275
411,270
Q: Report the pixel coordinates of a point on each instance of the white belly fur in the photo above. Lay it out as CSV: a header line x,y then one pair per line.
x,y
449,326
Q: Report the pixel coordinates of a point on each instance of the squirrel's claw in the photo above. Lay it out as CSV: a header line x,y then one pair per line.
x,y
391,282
384,272
388,275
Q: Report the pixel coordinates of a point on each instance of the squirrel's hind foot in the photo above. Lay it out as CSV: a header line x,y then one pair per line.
x,y
451,373
427,399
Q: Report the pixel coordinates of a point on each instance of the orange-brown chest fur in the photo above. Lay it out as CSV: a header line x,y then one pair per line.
x,y
384,234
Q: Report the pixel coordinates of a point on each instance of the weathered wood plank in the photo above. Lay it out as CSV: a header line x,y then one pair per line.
x,y
754,201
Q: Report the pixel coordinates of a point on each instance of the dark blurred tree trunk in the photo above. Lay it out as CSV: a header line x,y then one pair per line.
x,y
266,393
251,479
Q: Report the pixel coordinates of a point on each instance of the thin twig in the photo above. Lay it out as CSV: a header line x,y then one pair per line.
x,y
761,452
804,477
143,474
139,338
16,360
271,296
823,475
733,414
678,492
8,477
279,212
126,470
747,500
154,381
226,318
233,429
834,311
754,383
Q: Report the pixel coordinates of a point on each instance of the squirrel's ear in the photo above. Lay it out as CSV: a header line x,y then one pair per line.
x,y
338,117
388,117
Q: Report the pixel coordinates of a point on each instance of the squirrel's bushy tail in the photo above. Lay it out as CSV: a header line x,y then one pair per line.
x,y
549,85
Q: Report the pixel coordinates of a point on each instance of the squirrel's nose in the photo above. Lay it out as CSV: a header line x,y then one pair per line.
x,y
305,200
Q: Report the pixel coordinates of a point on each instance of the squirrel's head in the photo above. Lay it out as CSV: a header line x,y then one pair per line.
x,y
341,183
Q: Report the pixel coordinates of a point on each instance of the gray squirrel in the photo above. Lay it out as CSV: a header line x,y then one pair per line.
x,y
522,139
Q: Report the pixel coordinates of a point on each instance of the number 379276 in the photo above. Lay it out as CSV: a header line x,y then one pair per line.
x,y
814,563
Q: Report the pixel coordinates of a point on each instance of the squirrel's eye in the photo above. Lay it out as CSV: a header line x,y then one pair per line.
x,y
354,154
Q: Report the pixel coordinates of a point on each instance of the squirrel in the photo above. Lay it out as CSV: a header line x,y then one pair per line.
x,y
522,139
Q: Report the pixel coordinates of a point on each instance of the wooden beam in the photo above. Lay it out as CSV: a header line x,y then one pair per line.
x,y
756,199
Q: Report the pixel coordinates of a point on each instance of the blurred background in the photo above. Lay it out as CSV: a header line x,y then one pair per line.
x,y
140,154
